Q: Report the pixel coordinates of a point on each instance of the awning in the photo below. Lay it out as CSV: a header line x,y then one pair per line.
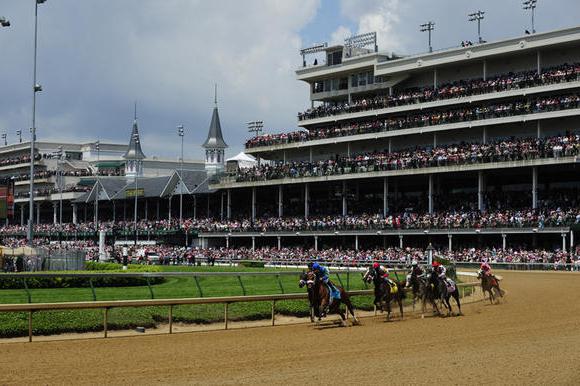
x,y
110,164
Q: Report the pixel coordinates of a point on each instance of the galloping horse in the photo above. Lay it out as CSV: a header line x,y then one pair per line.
x,y
443,293
301,284
383,294
489,284
321,299
422,290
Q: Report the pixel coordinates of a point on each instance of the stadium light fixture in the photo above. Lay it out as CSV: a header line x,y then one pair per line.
x,y
4,136
4,22
477,16
19,134
428,27
312,50
36,88
531,5
255,127
181,134
362,40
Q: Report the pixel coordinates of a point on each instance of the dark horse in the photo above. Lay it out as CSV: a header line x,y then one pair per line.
x,y
321,299
490,284
443,293
423,291
383,294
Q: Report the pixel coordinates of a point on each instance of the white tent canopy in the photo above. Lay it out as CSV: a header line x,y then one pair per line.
x,y
243,160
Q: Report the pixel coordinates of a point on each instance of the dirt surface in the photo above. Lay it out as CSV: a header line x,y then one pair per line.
x,y
533,337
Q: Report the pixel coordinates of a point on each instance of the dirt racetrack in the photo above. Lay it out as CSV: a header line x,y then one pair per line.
x,y
532,338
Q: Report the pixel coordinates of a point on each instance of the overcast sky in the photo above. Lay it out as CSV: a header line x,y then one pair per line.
x,y
95,58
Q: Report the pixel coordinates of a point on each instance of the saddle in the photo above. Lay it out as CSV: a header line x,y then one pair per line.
x,y
450,284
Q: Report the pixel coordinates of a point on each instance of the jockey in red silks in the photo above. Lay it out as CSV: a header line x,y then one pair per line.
x,y
486,268
383,272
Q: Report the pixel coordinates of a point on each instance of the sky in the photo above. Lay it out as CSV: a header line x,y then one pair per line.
x,y
97,58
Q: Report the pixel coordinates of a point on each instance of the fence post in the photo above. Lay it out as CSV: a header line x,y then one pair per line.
x,y
27,291
348,279
273,311
93,290
226,316
242,285
105,321
198,286
280,284
30,326
150,289
171,318
339,280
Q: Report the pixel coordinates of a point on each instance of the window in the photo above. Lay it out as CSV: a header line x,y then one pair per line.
x,y
353,81
362,79
343,84
370,78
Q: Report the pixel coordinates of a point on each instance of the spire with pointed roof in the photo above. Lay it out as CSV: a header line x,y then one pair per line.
x,y
134,150
215,139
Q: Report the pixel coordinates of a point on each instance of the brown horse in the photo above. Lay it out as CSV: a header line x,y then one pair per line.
x,y
422,291
489,284
322,302
383,293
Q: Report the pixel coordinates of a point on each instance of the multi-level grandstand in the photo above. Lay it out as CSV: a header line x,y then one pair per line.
x,y
469,146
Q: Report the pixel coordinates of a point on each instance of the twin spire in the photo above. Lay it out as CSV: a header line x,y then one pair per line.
x,y
134,151
215,138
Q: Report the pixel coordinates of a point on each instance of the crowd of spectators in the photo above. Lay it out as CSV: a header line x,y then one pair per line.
x,y
463,88
51,173
469,113
511,149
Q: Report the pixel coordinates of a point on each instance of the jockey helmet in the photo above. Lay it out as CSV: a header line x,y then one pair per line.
x,y
436,264
414,263
376,265
315,266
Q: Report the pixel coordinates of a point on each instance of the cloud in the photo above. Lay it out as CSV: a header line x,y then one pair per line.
x,y
380,16
96,58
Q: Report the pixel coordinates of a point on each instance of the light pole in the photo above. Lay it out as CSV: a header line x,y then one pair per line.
x,y
19,134
531,5
60,181
181,133
428,27
98,148
4,136
256,128
36,88
4,22
477,16
136,167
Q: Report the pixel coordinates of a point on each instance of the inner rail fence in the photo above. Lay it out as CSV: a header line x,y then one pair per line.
x,y
171,303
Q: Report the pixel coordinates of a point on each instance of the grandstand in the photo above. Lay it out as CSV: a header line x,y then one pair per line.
x,y
408,151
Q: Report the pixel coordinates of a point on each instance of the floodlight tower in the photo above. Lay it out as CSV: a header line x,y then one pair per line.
x,y
428,27
477,16
312,50
531,5
255,127
4,22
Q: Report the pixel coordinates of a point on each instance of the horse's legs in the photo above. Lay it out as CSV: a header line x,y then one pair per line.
x,y
456,297
400,306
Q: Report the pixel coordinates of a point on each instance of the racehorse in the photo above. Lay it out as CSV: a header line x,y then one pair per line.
x,y
442,292
321,299
422,290
490,284
301,284
383,293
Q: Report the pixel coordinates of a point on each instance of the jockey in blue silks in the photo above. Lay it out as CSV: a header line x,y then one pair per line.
x,y
323,274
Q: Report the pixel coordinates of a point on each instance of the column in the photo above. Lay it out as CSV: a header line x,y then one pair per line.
x,y
169,210
503,241
194,206
435,78
571,241
434,139
563,242
534,187
316,243
450,247
74,214
344,203
228,242
348,149
38,213
22,214
385,196
356,243
306,200
115,211
538,129
310,153
54,211
253,203
85,212
480,191
222,206
279,242
539,62
430,197
284,156
280,201
400,241
484,70
253,243
484,135
157,210
390,145
229,204
146,209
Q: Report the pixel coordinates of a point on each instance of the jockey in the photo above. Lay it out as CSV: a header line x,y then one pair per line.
x,y
441,272
383,272
486,268
416,269
323,274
